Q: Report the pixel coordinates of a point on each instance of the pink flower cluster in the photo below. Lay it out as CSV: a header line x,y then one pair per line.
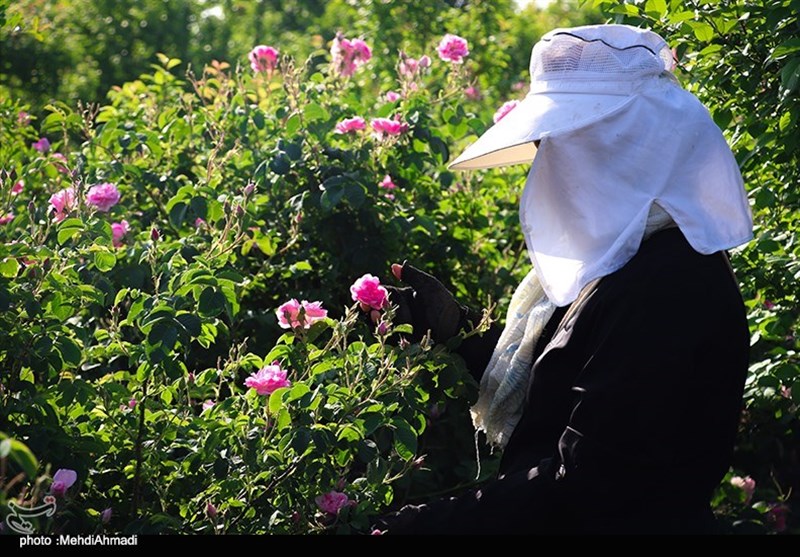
x,y
453,48
350,125
348,54
294,314
409,68
119,230
385,127
268,379
368,291
63,479
746,484
63,202
473,93
43,145
387,183
332,502
503,111
103,196
263,59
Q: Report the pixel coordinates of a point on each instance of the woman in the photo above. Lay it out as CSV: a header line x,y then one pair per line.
x,y
615,388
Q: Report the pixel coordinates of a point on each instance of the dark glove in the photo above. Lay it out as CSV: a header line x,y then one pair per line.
x,y
427,305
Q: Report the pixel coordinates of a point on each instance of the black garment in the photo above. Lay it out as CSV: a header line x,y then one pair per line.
x,y
632,409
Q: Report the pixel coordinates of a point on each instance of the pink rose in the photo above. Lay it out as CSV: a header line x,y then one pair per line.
x,y
119,230
410,68
746,484
208,405
263,58
472,93
776,515
347,55
393,96
5,219
62,481
503,111
387,183
332,502
43,145
17,188
23,118
132,403
368,290
387,127
268,379
103,196
453,48
350,125
294,314
63,202
60,165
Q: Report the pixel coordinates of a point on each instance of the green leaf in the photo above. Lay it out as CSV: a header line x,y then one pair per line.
x,y
703,31
211,302
276,400
405,440
20,454
292,125
787,47
314,111
191,323
69,228
657,8
70,350
9,267
104,260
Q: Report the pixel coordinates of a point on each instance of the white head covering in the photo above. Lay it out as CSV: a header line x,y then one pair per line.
x,y
617,134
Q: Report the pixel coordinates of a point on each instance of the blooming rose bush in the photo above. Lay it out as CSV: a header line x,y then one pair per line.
x,y
183,290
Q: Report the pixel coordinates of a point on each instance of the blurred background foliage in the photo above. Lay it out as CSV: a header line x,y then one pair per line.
x,y
79,49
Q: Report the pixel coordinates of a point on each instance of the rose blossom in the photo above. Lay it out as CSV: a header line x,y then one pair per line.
x,y
119,229
368,290
503,111
746,484
472,93
387,127
393,96
43,145
17,188
263,58
103,196
208,404
62,481
268,379
350,125
5,219
63,202
387,183
453,48
348,54
62,161
294,314
332,502
409,67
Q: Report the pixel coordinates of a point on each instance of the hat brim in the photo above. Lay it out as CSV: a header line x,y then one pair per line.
x,y
511,140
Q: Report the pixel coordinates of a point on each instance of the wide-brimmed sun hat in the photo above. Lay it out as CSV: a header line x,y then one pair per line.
x,y
578,76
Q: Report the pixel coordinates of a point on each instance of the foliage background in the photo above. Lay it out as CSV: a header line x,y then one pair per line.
x,y
157,97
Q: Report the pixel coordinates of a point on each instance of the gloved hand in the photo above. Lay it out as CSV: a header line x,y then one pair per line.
x,y
427,305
